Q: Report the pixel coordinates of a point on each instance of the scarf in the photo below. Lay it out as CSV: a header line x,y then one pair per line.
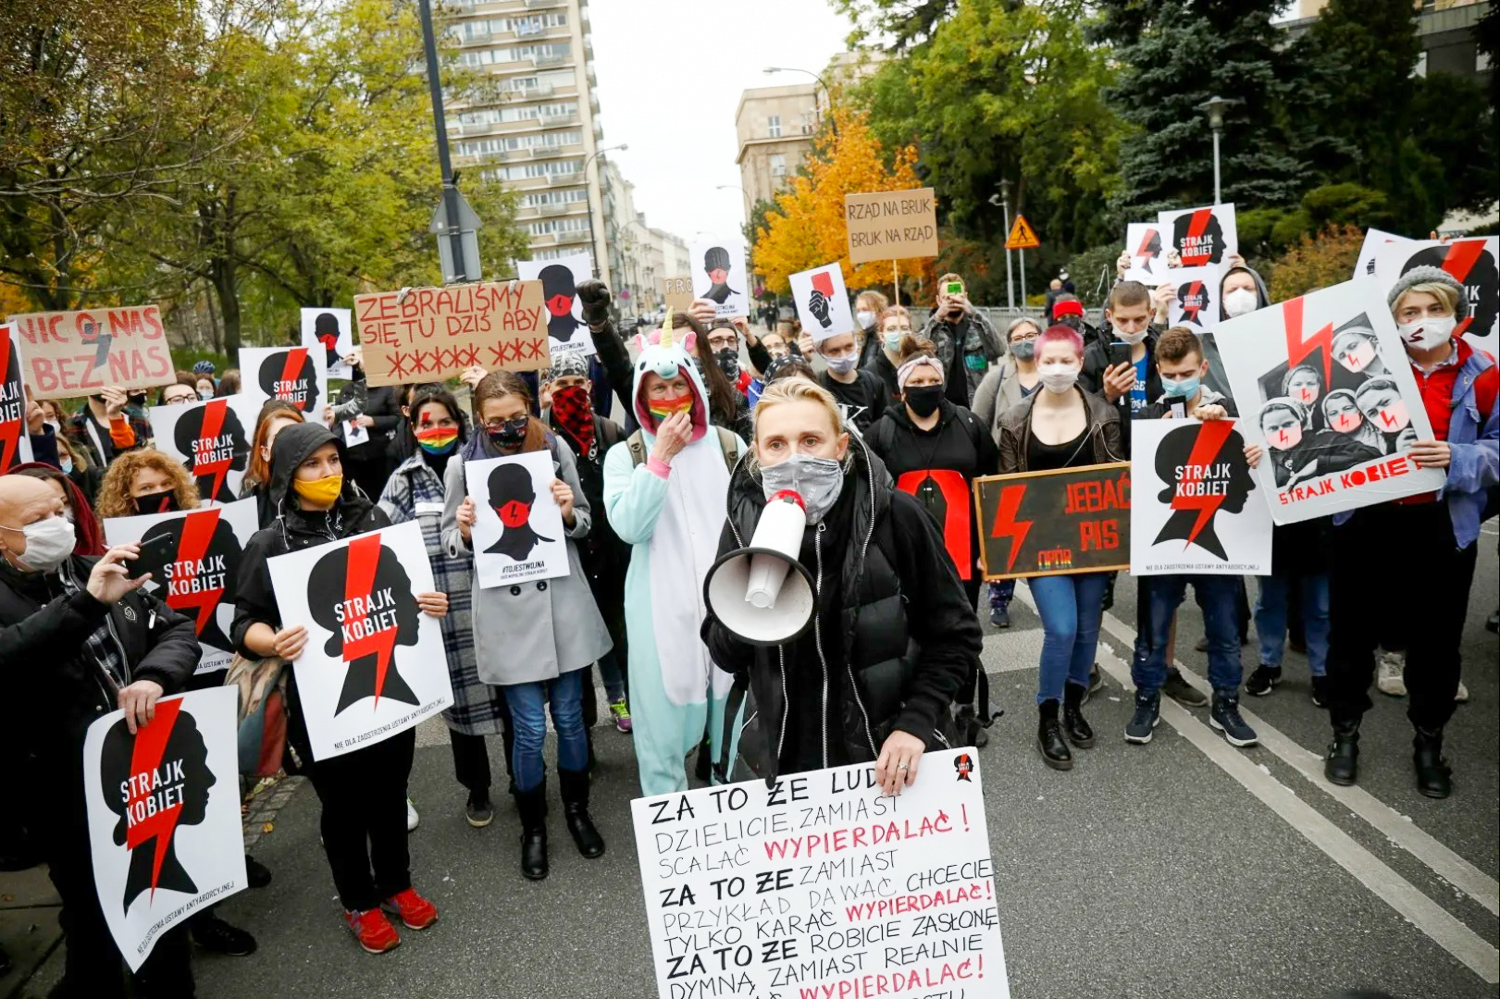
x,y
573,411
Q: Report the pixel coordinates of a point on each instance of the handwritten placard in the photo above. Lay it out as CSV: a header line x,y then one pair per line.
x,y
820,885
79,353
429,334
891,225
1054,523
677,291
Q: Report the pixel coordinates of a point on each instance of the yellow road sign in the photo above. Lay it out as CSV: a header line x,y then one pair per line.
x,y
1022,236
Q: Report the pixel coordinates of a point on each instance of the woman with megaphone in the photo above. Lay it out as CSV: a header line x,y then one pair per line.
x,y
875,633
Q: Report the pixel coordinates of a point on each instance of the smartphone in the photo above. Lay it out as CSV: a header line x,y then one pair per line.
x,y
953,288
155,553
1119,353
1178,409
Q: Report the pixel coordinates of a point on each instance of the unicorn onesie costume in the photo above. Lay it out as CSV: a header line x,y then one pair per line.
x,y
672,515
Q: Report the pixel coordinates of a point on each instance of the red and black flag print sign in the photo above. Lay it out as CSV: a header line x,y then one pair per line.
x,y
1050,523
944,494
216,443
15,445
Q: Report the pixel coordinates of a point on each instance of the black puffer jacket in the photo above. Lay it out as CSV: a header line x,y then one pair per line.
x,y
900,634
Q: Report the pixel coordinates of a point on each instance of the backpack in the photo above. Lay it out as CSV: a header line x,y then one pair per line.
x,y
727,444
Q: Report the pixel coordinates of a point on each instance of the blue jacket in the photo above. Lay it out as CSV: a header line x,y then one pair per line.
x,y
1474,443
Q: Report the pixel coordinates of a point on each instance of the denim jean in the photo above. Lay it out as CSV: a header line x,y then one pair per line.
x,y
1218,596
614,680
1271,616
528,704
1001,592
1070,607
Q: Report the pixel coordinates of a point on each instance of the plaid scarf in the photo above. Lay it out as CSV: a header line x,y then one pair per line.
x,y
574,413
100,646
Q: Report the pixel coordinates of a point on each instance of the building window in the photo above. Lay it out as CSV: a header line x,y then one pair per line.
x,y
773,126
778,164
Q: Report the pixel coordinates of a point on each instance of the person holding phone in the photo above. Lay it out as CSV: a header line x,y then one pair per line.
x,y
966,342
105,426
1119,364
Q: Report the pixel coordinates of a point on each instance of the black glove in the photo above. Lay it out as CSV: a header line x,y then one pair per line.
x,y
593,294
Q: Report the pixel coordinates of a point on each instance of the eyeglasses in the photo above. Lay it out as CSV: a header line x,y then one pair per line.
x,y
1024,337
721,342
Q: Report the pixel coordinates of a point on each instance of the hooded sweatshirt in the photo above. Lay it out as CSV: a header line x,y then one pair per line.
x,y
1217,379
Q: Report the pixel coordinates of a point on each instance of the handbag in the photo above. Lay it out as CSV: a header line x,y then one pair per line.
x,y
262,712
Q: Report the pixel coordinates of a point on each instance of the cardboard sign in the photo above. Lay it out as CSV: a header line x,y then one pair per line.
x,y
677,291
518,534
374,664
197,572
1022,236
429,334
1054,523
164,816
1471,262
295,374
891,225
331,331
1148,254
719,275
15,440
1323,382
69,354
1200,509
211,440
821,886
567,333
1196,303
822,303
1374,240
1201,235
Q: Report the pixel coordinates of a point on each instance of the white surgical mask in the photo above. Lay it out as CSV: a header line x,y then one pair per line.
x,y
1429,332
49,542
865,318
56,427
842,365
817,480
1240,301
205,394
1059,378
1132,338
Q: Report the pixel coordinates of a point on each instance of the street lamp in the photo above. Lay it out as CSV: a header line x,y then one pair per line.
x,y
1004,204
594,256
1214,108
822,82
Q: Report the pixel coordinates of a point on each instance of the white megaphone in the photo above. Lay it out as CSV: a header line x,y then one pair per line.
x,y
761,593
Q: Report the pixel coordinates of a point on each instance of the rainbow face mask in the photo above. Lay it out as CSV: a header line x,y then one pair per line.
x,y
437,440
665,407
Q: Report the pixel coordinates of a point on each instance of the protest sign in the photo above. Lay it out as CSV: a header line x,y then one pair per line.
x,y
374,664
1148,255
891,225
194,560
1374,240
821,886
295,374
211,439
1200,235
354,434
1471,262
1324,383
1199,509
429,334
164,816
330,331
518,528
1196,303
822,303
70,354
677,292
15,442
719,275
567,333
1054,523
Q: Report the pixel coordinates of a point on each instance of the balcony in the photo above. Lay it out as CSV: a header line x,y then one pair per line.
x,y
544,4
539,90
554,120
550,237
541,61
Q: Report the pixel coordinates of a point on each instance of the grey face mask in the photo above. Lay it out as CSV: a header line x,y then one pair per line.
x,y
817,480
1025,350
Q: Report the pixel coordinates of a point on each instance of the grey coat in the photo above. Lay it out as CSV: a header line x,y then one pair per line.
x,y
536,630
998,392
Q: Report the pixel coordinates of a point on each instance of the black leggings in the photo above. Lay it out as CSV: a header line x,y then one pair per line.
x,y
363,794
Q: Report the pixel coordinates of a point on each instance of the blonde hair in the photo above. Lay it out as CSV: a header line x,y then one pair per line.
x,y
877,302
793,390
1444,293
114,492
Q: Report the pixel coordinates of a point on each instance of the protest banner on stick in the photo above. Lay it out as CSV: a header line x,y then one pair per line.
x,y
891,225
429,334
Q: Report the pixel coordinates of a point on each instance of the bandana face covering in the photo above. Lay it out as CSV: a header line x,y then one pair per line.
x,y
510,434
162,502
323,492
513,513
573,409
668,405
437,440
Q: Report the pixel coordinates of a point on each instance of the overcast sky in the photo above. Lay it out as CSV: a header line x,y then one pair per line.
x,y
670,76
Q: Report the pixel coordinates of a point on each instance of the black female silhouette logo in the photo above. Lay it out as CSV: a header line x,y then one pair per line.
x,y
558,292
511,497
363,595
214,440
201,573
326,329
1205,470
291,375
156,781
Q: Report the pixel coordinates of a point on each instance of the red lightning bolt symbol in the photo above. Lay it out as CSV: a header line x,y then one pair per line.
x,y
1211,438
1194,293
145,758
10,430
1006,524
1459,261
359,584
213,423
1298,346
197,531
291,370
1145,248
1195,231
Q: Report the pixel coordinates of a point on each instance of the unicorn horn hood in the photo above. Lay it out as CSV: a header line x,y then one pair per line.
x,y
668,353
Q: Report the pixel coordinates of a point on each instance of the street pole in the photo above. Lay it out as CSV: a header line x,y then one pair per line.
x,y
1010,291
445,164
1022,255
1218,197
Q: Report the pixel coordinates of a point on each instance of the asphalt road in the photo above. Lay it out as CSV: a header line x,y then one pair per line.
x,y
1184,868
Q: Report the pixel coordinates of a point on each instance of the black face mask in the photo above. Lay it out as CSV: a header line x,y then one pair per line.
x,y
510,434
925,399
729,362
162,502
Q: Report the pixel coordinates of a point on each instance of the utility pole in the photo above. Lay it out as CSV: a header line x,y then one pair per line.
x,y
458,243
1010,291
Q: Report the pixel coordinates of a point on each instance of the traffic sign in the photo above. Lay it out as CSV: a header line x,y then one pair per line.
x,y
1022,236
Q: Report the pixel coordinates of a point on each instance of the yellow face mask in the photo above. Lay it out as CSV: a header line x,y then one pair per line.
x,y
321,492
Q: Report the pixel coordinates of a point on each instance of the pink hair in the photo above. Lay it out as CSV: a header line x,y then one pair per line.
x,y
1061,334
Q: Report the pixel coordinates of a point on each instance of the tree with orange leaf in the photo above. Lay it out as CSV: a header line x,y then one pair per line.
x,y
806,229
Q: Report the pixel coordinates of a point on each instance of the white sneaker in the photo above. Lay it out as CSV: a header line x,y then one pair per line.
x,y
1390,680
412,818
1462,696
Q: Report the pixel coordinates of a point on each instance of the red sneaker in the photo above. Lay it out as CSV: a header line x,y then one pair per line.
x,y
415,911
373,931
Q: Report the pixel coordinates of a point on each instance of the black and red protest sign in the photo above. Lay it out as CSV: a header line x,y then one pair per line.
x,y
1053,523
1471,262
298,375
429,334
70,354
212,441
15,444
1201,236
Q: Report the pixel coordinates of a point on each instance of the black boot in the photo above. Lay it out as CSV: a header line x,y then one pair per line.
x,y
1049,738
575,796
1078,731
1434,777
533,808
1341,765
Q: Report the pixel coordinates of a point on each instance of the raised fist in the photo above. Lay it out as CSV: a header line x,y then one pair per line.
x,y
593,295
817,304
